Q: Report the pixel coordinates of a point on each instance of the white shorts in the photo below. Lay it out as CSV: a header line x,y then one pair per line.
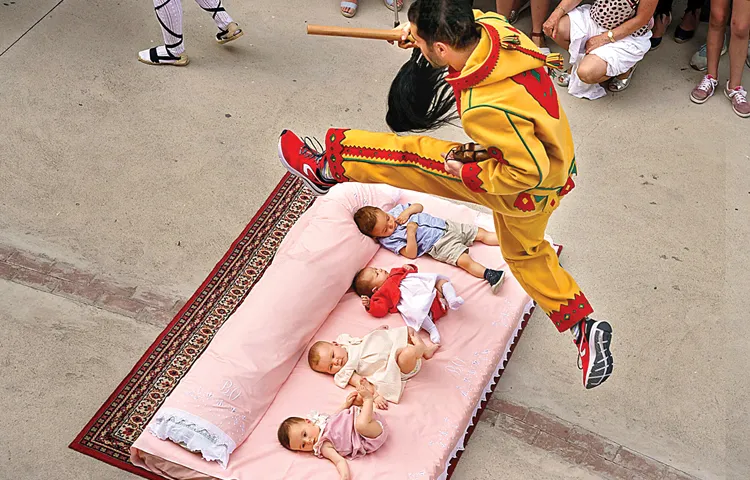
x,y
620,56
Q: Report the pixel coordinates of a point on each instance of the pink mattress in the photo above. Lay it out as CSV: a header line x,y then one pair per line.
x,y
426,428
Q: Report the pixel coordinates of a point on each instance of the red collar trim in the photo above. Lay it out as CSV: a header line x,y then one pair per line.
x,y
484,71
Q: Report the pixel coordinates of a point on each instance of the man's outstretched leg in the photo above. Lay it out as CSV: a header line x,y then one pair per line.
x,y
535,265
408,162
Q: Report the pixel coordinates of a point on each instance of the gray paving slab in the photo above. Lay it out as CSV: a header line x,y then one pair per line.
x,y
59,361
138,172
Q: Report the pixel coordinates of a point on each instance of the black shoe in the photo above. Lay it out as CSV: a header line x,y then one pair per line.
x,y
681,35
595,358
495,278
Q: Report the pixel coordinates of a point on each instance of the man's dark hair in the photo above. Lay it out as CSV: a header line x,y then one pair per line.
x,y
420,99
448,21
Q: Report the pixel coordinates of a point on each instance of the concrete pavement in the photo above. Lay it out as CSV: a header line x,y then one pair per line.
x,y
147,174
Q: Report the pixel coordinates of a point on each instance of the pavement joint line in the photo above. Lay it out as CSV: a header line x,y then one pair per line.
x,y
31,27
576,444
38,272
568,441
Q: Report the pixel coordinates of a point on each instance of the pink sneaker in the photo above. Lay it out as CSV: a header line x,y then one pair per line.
x,y
738,97
704,90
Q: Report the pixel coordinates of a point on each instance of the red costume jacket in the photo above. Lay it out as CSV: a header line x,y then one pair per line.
x,y
386,298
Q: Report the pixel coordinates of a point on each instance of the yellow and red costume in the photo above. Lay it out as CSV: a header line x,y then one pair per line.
x,y
508,105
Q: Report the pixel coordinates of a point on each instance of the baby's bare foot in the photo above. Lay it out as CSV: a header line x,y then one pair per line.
x,y
366,389
430,351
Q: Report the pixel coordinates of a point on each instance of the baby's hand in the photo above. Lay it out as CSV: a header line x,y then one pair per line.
x,y
349,400
403,217
411,226
380,403
365,301
408,267
366,389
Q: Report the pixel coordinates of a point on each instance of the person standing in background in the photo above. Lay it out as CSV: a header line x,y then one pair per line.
x,y
169,14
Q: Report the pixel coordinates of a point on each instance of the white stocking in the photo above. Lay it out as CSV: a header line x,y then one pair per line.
x,y
454,301
169,14
429,326
220,16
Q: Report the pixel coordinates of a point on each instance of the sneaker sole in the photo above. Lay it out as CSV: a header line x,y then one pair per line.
x,y
601,368
699,101
496,287
315,189
741,115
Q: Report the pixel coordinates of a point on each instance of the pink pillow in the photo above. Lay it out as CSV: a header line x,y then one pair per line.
x,y
222,398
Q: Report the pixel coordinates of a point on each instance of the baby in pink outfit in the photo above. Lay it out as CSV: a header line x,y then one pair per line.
x,y
351,432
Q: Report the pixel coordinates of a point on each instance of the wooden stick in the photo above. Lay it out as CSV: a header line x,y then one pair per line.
x,y
371,33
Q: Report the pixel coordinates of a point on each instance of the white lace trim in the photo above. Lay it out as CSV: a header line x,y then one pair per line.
x,y
487,390
193,433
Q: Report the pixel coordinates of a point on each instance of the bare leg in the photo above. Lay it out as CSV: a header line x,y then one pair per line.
x,y
562,37
740,31
503,7
407,357
539,11
488,238
717,24
365,424
592,70
468,264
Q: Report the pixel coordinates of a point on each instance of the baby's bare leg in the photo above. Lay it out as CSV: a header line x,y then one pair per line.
x,y
407,357
471,266
488,238
365,424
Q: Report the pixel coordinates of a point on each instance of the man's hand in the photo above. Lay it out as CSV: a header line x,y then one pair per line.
x,y
404,216
595,42
453,167
406,38
365,301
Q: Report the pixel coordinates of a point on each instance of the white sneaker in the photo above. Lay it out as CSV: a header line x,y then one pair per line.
x,y
704,90
699,60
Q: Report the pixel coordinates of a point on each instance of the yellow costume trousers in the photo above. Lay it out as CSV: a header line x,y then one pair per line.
x,y
416,163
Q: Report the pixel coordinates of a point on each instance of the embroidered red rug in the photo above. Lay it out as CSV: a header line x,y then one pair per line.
x,y
118,423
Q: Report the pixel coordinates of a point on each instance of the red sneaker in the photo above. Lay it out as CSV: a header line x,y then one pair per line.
x,y
593,352
302,160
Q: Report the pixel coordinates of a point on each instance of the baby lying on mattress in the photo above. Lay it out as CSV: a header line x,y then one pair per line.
x,y
420,298
406,230
385,357
351,432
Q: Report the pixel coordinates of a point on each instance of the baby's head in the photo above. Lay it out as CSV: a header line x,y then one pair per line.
x,y
298,434
327,357
368,280
374,222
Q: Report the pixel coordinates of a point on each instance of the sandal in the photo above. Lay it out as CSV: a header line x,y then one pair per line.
x,y
351,6
514,14
233,32
389,4
620,84
562,78
152,57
